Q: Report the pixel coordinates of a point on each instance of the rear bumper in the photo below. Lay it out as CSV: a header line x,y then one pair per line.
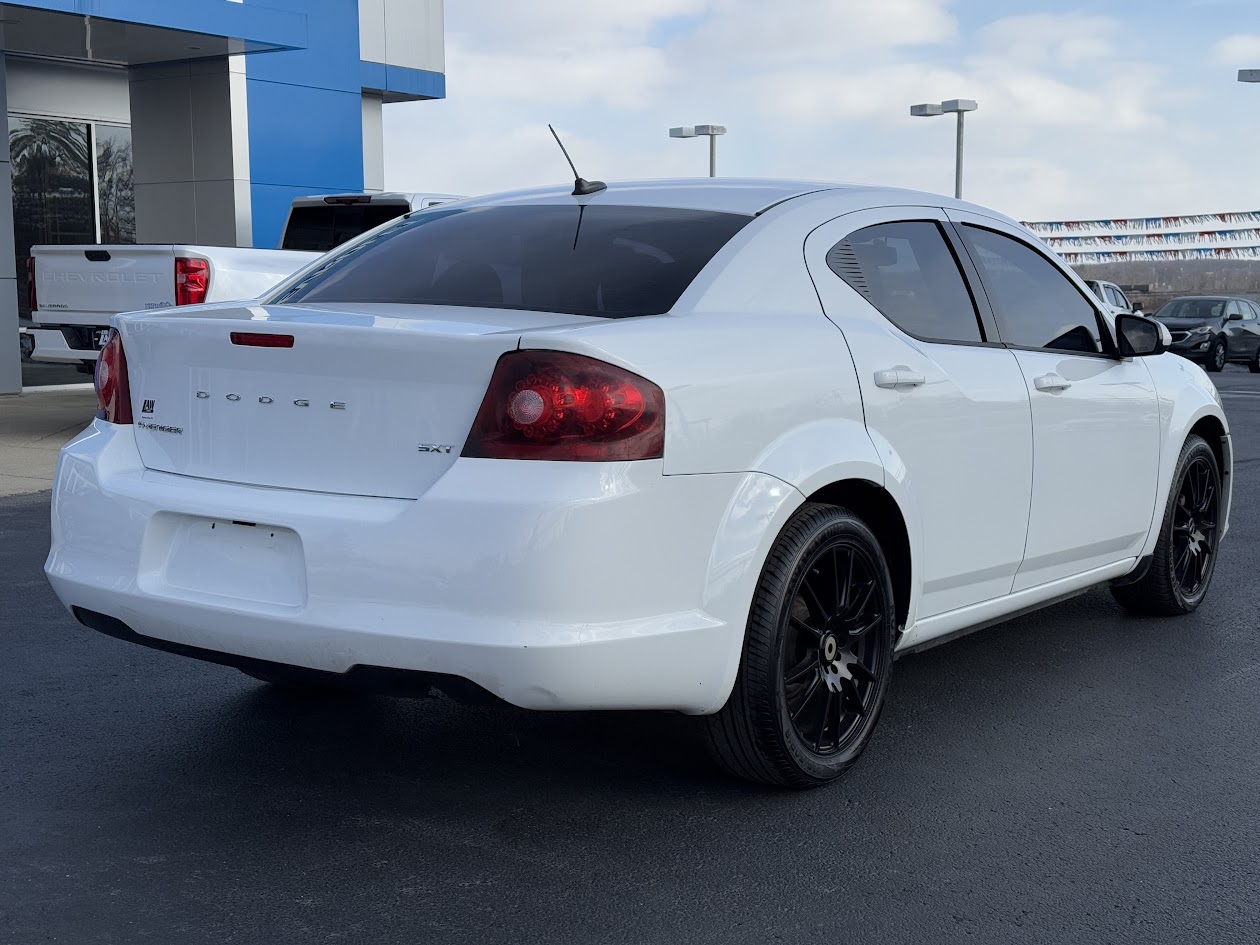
x,y
550,585
51,345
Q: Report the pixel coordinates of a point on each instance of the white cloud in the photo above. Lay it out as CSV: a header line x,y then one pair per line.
x,y
628,77
1241,49
562,24
1050,38
752,32
1075,117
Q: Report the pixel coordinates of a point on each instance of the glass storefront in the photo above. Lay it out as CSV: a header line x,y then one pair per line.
x,y
117,196
72,183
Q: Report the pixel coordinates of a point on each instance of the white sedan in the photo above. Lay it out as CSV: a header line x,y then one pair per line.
x,y
721,447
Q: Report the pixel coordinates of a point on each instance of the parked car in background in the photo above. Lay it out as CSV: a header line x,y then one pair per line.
x,y
721,447
74,290
1113,298
1213,330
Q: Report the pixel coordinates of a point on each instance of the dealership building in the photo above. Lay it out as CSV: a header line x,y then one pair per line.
x,y
193,121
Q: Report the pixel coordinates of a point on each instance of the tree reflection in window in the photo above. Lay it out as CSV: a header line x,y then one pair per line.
x,y
54,171
117,196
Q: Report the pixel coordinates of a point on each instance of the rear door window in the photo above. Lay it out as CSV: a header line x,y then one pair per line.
x,y
603,260
908,272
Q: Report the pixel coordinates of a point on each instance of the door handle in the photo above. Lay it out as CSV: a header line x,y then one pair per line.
x,y
1051,383
898,377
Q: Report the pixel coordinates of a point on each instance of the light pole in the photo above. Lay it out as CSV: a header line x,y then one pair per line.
x,y
960,107
694,131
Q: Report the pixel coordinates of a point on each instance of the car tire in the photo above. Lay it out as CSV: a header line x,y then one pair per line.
x,y
1217,355
817,655
1180,572
1254,364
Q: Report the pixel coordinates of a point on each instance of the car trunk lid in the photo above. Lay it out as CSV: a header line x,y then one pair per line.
x,y
376,402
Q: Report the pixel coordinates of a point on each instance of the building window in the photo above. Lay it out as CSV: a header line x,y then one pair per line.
x,y
72,183
116,196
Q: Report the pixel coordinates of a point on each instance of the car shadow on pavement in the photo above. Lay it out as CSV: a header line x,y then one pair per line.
x,y
1003,705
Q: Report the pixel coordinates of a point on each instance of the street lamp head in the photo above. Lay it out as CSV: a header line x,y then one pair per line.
x,y
1249,75
925,111
959,105
692,131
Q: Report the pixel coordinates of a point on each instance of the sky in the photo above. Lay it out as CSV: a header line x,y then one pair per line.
x,y
1087,110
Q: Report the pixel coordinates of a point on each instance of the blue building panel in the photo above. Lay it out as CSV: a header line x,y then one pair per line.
x,y
330,56
309,137
305,115
257,24
399,83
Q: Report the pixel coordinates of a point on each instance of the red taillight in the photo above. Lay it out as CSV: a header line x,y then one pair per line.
x,y
557,406
192,278
258,339
32,296
113,392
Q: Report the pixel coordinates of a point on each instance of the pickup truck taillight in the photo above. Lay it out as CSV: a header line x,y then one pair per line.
x,y
113,392
192,278
554,405
32,298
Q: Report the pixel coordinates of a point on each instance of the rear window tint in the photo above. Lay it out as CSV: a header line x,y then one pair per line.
x,y
321,228
606,261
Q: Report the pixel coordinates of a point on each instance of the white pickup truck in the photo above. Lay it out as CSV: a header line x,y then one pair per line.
x,y
74,291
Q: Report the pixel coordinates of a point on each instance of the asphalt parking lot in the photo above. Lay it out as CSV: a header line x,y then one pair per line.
x,y
1077,775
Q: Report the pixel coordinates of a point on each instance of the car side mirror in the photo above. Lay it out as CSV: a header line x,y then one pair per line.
x,y
1139,337
1235,317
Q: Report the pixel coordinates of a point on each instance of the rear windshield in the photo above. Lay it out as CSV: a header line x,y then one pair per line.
x,y
606,261
320,228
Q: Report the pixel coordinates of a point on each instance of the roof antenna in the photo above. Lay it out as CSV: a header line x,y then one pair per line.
x,y
581,187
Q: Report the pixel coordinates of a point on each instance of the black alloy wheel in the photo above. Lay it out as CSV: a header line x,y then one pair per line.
x,y
1218,354
817,655
1194,526
1181,569
830,656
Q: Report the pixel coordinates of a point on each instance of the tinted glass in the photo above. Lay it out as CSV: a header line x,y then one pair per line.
x,y
1115,298
1249,311
321,228
116,193
52,187
1200,309
907,271
599,260
1035,304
